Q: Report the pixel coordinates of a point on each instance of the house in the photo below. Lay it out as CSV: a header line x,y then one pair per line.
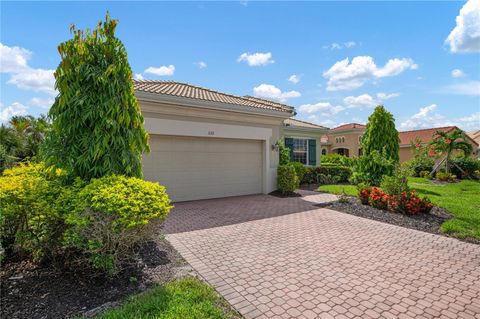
x,y
208,144
475,135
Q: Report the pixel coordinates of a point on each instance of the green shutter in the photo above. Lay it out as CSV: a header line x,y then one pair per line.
x,y
289,145
312,152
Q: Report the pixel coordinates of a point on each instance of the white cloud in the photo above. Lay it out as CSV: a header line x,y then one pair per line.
x,y
320,108
14,60
138,76
466,88
201,65
428,117
161,71
256,59
321,120
365,100
37,80
43,103
12,110
457,73
465,37
294,78
344,75
272,92
340,46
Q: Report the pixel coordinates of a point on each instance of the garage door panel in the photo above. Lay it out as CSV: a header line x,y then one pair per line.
x,y
196,168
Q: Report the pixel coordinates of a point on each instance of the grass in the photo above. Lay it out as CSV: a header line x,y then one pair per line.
x,y
461,199
186,298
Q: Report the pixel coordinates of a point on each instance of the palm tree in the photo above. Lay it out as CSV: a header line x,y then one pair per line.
x,y
31,131
448,142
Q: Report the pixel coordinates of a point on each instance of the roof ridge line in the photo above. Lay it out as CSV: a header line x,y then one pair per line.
x,y
428,129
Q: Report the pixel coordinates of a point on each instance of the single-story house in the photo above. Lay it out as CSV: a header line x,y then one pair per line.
x,y
208,144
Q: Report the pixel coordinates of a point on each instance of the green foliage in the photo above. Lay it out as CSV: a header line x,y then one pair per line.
x,y
32,210
445,177
398,182
448,142
112,215
283,153
97,123
337,159
186,298
424,174
371,169
381,135
468,165
420,164
300,169
287,180
326,173
21,139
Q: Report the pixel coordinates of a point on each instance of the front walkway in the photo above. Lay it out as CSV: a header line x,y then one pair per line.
x,y
285,258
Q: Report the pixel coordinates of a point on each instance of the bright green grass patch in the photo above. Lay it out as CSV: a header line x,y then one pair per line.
x,y
462,199
186,298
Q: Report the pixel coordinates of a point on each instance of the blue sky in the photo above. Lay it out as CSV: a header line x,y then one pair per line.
x,y
332,61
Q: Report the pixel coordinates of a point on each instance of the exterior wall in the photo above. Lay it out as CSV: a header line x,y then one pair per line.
x,y
405,153
310,134
351,143
168,119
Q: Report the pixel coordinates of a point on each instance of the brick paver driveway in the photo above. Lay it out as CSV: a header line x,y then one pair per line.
x,y
286,258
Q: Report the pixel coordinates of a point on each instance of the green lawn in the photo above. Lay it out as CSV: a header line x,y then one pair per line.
x,y
462,199
186,298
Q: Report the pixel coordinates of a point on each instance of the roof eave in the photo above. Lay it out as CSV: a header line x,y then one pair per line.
x,y
191,102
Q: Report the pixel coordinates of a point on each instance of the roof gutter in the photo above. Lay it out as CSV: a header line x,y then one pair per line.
x,y
190,102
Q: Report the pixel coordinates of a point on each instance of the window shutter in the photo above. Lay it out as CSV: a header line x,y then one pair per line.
x,y
312,152
289,145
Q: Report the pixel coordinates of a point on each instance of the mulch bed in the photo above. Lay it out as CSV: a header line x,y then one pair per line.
x,y
286,195
424,222
32,291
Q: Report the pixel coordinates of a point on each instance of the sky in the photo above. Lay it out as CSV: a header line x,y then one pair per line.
x,y
333,61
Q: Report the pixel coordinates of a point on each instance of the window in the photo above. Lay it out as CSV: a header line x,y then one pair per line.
x,y
300,150
324,152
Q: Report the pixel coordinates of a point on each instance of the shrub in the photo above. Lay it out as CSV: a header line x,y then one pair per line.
x,y
287,180
445,177
370,169
420,164
364,191
315,174
337,159
467,164
32,211
409,203
398,182
327,179
476,174
283,153
300,169
378,198
424,174
113,214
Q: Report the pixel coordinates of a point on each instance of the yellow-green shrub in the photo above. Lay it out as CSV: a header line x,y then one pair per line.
x,y
287,180
32,222
113,214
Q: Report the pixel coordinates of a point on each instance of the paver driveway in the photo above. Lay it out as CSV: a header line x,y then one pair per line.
x,y
286,258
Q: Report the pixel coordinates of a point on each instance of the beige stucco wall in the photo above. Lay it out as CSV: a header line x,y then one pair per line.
x,y
405,153
168,119
351,143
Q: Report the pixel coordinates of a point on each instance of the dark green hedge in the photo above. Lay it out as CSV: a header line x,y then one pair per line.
x,y
342,173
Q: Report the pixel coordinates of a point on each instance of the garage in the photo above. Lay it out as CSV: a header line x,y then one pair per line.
x,y
204,167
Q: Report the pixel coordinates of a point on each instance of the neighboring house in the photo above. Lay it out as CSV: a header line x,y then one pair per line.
x,y
345,140
475,135
207,144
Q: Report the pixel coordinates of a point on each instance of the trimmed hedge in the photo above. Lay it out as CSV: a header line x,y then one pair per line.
x,y
339,173
287,180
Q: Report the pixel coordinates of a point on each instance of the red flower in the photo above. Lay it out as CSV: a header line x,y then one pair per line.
x,y
417,145
431,154
448,141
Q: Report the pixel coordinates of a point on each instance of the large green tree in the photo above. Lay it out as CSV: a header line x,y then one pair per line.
x,y
97,123
381,135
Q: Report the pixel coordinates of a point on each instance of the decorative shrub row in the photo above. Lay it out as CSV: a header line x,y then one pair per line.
x,y
104,219
326,173
406,202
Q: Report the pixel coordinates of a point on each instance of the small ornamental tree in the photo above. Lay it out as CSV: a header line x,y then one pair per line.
x,y
97,123
445,143
381,135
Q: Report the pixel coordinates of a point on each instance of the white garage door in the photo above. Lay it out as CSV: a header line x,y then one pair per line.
x,y
199,168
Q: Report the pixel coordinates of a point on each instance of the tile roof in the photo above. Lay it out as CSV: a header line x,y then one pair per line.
x,y
299,123
348,126
186,90
475,135
425,135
